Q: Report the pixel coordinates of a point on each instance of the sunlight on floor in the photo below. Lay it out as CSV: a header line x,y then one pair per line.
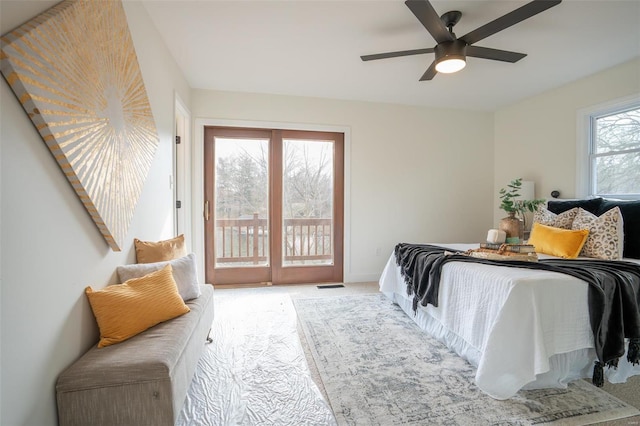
x,y
255,371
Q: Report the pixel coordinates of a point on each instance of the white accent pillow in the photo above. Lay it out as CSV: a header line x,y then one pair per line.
x,y
185,274
606,233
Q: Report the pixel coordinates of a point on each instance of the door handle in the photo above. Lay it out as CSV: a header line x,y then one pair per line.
x,y
206,210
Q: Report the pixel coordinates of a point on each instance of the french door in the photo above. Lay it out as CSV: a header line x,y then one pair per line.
x,y
274,202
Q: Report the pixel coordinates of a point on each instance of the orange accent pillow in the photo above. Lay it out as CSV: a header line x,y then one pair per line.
x,y
124,310
160,251
558,242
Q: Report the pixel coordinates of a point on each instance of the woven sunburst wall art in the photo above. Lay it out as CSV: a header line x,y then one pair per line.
x,y
75,72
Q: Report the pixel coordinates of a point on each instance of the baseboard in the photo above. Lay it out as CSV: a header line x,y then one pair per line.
x,y
361,278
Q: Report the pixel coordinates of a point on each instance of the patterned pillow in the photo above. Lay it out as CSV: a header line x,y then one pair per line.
x,y
563,220
606,236
630,210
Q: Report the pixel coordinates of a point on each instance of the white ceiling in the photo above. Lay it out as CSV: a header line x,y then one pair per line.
x,y
313,48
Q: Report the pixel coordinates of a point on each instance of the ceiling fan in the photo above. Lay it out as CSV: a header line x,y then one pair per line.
x,y
450,51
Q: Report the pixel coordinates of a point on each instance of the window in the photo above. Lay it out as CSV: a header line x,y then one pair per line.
x,y
612,143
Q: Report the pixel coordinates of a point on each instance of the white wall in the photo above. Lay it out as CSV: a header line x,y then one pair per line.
x,y
417,174
51,249
536,138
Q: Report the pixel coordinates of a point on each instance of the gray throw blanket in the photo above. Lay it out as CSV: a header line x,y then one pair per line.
x,y
614,293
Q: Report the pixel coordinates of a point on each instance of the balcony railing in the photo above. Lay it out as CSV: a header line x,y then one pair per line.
x,y
242,240
307,240
246,241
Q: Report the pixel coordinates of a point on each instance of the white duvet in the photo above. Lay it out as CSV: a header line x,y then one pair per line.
x,y
519,327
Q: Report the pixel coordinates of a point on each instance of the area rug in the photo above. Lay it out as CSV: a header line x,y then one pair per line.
x,y
379,368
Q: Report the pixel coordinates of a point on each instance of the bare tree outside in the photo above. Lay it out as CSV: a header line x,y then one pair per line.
x,y
242,178
307,194
617,153
308,179
242,201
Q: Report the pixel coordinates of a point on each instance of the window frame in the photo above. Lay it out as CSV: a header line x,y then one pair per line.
x,y
585,186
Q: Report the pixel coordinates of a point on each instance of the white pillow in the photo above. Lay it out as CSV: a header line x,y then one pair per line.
x,y
185,274
606,233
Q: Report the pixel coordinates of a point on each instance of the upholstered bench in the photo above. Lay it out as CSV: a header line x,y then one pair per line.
x,y
141,381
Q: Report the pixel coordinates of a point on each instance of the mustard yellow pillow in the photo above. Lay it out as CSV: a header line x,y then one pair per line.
x,y
124,310
160,251
558,242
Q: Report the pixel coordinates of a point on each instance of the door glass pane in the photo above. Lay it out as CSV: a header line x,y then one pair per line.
x,y
307,202
241,202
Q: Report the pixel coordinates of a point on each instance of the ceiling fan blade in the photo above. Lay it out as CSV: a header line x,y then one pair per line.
x,y
511,18
430,72
495,54
396,54
428,17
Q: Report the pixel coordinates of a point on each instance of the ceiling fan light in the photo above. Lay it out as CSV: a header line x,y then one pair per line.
x,y
450,56
450,65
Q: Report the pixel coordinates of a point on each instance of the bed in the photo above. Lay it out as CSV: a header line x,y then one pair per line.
x,y
521,328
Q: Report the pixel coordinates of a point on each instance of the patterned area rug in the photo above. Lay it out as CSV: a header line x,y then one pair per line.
x,y
379,368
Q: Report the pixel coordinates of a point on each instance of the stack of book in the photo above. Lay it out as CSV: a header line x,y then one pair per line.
x,y
513,248
493,251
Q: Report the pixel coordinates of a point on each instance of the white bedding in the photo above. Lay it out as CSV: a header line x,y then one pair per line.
x,y
520,327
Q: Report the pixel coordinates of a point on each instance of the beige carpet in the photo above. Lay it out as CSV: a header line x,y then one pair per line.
x,y
628,392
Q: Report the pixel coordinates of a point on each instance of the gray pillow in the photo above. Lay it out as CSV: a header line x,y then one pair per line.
x,y
184,273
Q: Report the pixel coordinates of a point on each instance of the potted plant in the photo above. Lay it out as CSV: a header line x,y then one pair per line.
x,y
510,203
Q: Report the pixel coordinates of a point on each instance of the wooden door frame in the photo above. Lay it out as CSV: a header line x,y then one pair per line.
x,y
275,272
197,194
250,275
322,273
